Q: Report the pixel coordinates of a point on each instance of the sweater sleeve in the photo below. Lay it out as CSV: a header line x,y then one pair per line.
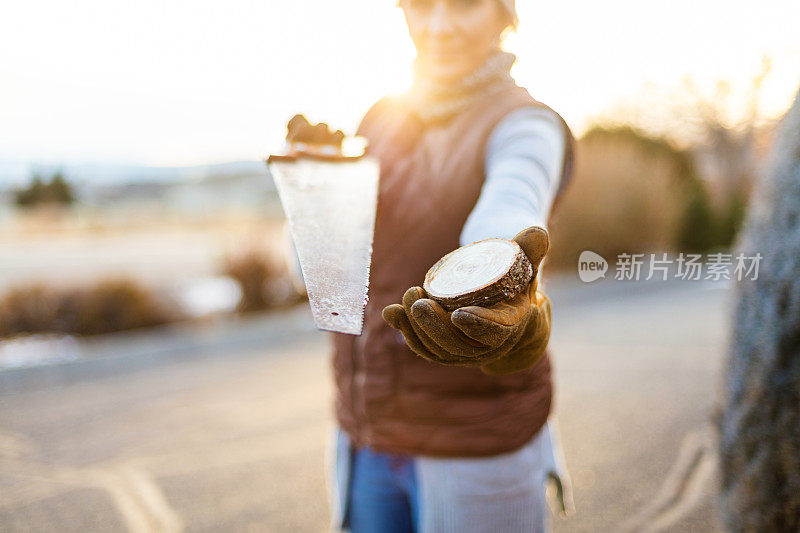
x,y
524,156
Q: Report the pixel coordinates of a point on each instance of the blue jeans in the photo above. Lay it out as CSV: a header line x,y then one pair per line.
x,y
383,493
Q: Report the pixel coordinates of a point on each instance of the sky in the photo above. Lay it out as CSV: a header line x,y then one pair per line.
x,y
177,82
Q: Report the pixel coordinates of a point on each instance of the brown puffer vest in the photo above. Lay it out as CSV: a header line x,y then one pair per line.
x,y
387,397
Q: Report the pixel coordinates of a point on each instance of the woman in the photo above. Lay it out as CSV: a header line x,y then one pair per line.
x,y
442,417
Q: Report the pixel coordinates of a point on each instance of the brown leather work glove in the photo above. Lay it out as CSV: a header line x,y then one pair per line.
x,y
507,337
300,129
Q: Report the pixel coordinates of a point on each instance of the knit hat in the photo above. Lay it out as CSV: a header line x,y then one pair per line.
x,y
510,7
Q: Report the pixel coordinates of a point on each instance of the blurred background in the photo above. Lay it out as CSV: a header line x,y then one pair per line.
x,y
159,368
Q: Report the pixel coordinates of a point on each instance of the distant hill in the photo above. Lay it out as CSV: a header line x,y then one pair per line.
x,y
15,173
202,188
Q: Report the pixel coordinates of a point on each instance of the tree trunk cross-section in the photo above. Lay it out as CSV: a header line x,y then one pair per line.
x,y
482,273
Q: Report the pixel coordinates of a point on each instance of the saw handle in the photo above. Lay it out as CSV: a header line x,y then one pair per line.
x,y
313,141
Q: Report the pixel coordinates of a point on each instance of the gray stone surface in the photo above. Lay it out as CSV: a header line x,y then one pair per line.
x,y
760,424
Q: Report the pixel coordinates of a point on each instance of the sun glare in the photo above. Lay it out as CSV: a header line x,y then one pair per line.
x,y
199,82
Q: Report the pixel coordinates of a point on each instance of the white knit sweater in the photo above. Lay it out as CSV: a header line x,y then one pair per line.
x,y
524,157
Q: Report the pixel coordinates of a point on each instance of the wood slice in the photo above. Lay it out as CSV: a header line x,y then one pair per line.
x,y
482,273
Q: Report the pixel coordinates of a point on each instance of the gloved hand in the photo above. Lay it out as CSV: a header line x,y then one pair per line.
x,y
300,129
507,337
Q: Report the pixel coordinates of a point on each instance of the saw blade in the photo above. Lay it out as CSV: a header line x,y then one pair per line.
x,y
331,208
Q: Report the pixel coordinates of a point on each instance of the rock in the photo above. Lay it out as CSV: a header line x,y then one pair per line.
x,y
759,422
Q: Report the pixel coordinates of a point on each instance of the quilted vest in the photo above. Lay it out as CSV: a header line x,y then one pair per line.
x,y
387,397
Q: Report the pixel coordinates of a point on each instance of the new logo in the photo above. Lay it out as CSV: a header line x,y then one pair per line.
x,y
591,266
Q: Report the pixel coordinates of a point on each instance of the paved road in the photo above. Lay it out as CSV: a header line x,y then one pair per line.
x,y
230,436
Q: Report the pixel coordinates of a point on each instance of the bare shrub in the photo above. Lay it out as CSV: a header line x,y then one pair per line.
x,y
627,195
113,304
262,278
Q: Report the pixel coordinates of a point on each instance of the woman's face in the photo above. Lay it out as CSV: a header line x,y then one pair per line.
x,y
453,37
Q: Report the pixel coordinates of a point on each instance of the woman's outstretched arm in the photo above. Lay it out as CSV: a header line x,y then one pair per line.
x,y
524,156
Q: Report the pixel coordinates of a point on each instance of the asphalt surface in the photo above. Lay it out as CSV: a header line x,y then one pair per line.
x,y
225,429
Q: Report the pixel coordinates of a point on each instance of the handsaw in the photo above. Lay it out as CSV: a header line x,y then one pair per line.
x,y
330,202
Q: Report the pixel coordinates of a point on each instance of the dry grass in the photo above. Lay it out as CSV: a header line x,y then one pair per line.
x,y
112,304
50,221
99,255
258,272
